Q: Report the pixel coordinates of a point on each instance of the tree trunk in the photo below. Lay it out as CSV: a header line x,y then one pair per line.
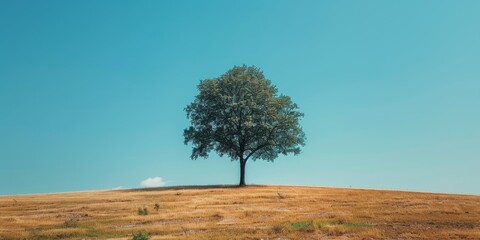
x,y
242,172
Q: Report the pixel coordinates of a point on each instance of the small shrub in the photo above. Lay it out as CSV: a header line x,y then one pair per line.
x,y
157,206
71,223
141,236
142,211
303,226
341,221
280,228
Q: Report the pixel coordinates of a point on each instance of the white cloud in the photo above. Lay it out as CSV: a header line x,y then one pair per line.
x,y
117,188
152,182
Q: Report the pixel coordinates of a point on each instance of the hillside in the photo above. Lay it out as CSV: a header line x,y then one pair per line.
x,y
253,212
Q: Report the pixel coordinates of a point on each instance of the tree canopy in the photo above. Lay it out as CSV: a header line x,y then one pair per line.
x,y
240,114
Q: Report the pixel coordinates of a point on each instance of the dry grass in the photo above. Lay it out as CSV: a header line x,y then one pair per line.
x,y
253,212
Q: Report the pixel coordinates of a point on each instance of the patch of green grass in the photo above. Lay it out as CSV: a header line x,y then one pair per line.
x,y
287,227
89,234
341,223
100,234
301,224
71,223
311,226
307,226
141,236
43,236
41,228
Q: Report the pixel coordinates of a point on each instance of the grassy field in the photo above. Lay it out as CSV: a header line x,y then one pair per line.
x,y
253,212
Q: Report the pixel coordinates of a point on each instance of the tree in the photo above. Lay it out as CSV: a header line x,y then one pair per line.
x,y
241,115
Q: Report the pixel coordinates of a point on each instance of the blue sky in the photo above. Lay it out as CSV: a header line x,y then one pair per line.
x,y
92,92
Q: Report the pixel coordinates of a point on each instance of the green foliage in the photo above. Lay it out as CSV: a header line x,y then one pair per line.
x,y
342,223
142,211
308,226
157,206
301,224
141,236
240,114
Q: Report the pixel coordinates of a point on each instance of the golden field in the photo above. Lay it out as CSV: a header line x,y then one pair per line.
x,y
252,212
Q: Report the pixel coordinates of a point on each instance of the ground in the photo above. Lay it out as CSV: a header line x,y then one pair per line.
x,y
253,212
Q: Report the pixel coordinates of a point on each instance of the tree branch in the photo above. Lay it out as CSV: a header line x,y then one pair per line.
x,y
256,149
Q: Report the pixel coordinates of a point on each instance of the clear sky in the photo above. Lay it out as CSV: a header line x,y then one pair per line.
x,y
92,92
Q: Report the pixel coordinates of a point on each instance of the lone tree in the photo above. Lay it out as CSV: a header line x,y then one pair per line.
x,y
241,115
